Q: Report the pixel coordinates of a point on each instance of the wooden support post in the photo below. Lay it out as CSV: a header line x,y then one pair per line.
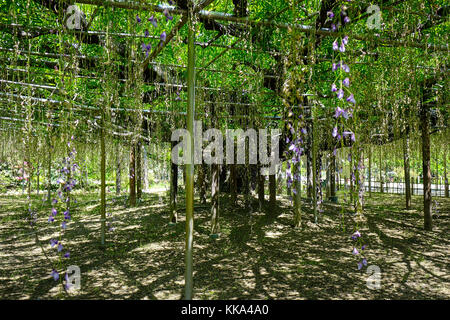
x,y
426,166
445,172
360,181
49,170
370,171
190,165
351,176
272,190
333,177
406,166
202,183
309,182
132,175
145,168
118,169
297,194
38,175
289,186
314,174
261,182
233,184
381,172
103,179
215,199
138,171
173,188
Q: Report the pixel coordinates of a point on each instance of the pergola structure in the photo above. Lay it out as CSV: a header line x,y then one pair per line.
x,y
21,64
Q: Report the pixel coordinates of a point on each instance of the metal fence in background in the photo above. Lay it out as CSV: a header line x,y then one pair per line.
x,y
437,189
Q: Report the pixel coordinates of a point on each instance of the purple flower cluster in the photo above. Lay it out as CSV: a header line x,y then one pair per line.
x,y
356,236
178,98
153,21
62,204
32,218
163,37
337,23
167,15
344,109
110,223
294,153
146,48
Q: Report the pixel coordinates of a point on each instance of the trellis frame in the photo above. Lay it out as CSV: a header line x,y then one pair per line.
x,y
188,16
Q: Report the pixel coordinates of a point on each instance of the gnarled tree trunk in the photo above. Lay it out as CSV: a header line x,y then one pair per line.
x,y
426,166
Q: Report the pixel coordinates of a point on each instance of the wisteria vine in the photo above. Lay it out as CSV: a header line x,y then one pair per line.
x,y
343,114
66,183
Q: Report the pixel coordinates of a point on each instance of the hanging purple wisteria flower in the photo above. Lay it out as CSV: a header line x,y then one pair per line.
x,y
138,20
335,132
345,40
163,37
335,45
349,133
55,275
356,235
67,285
53,242
346,82
345,67
146,48
66,215
351,99
153,21
333,87
168,16
339,111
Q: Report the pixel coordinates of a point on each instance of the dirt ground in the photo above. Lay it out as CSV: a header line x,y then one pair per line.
x,y
257,256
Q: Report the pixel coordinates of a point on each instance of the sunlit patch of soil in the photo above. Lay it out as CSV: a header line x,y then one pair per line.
x,y
258,255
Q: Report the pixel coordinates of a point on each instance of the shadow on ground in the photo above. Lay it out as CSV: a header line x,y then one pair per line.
x,y
257,256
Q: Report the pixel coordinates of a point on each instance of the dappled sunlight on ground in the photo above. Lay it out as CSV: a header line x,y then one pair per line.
x,y
257,256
